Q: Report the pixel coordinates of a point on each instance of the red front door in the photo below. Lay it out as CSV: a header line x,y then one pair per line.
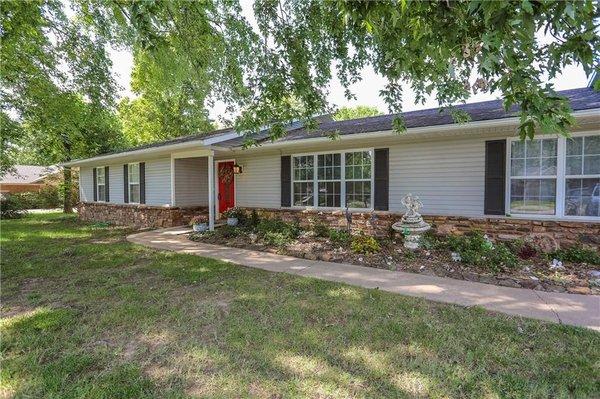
x,y
226,186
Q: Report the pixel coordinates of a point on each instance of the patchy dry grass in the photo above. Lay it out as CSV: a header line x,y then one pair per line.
x,y
86,314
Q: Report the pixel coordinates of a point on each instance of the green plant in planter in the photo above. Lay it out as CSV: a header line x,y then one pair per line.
x,y
364,244
237,213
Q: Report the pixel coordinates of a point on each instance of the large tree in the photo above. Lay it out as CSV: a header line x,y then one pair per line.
x,y
359,111
57,92
448,49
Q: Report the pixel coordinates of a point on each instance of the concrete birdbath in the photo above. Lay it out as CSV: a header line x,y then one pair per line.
x,y
412,225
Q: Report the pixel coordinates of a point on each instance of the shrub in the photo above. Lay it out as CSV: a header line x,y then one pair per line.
x,y
277,232
227,231
278,239
364,244
11,208
320,229
577,254
476,249
522,249
253,220
431,240
339,237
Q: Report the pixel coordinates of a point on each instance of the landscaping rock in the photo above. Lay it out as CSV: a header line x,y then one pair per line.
x,y
579,290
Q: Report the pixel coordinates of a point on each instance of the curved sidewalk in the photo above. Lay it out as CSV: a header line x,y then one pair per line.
x,y
572,309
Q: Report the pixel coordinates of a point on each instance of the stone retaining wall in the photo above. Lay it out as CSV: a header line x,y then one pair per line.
x,y
560,233
138,216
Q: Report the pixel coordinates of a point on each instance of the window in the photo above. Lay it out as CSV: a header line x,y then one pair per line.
x,y
339,179
303,180
329,174
358,179
133,181
100,184
582,173
533,176
555,176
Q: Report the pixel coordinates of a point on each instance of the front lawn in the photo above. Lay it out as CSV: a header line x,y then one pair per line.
x,y
87,314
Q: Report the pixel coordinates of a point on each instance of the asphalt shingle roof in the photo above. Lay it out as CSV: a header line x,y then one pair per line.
x,y
27,174
580,99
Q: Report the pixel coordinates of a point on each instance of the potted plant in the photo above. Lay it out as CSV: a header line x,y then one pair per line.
x,y
233,216
199,223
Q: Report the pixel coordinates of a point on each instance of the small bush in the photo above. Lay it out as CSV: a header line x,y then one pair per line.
x,y
475,249
320,229
11,208
278,239
522,249
253,220
339,237
277,232
431,240
577,254
363,244
227,231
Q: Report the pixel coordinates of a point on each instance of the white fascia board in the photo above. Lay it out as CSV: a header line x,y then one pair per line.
x,y
198,144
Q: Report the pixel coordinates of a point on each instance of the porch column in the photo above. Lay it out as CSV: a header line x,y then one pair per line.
x,y
211,191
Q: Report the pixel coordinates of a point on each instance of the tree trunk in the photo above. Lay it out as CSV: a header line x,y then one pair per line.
x,y
67,190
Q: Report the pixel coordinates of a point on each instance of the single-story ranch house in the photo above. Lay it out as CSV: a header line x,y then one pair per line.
x,y
26,178
475,175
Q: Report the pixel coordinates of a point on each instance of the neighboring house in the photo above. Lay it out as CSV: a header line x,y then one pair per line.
x,y
472,175
26,178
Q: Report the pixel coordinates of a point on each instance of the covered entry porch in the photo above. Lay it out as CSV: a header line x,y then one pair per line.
x,y
199,179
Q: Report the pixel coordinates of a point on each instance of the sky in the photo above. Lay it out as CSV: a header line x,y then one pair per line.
x,y
366,91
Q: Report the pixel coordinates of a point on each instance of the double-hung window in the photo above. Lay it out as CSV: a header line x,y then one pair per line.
x,y
555,176
582,174
358,167
329,175
101,184
533,176
133,182
333,180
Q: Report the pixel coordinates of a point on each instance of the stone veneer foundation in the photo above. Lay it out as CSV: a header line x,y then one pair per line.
x,y
564,233
138,216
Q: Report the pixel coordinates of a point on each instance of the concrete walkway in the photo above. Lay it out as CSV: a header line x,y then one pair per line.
x,y
578,310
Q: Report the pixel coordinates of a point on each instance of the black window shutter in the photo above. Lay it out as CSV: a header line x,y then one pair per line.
x,y
286,181
382,179
95,178
106,184
142,182
495,177
126,183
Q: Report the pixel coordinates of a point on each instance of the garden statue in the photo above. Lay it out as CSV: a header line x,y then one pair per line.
x,y
411,225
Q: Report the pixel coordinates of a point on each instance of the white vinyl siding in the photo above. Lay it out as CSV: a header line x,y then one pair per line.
x,y
447,175
86,184
191,181
260,183
158,182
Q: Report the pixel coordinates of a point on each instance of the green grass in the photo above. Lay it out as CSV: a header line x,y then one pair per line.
x,y
86,314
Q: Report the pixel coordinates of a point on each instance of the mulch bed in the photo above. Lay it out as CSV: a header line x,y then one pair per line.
x,y
535,273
